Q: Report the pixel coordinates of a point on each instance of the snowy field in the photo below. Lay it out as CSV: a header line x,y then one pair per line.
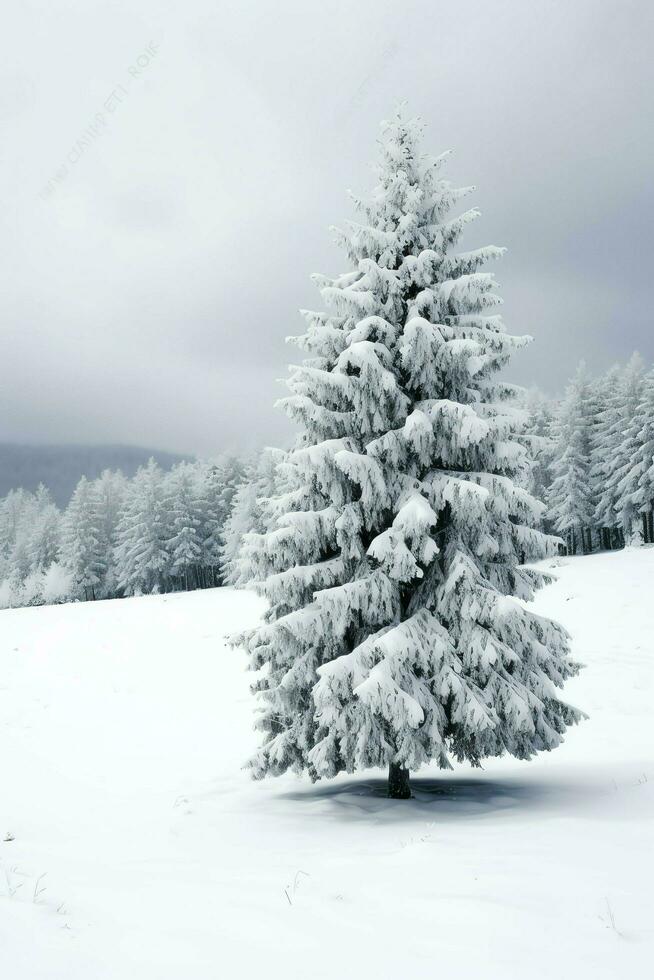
x,y
142,851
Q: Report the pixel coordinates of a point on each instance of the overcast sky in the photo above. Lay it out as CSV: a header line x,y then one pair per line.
x,y
147,287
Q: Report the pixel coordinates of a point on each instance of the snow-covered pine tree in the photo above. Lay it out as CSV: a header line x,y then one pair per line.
x,y
618,485
111,489
607,437
184,507
636,488
17,513
81,541
12,508
23,515
393,638
45,532
30,541
571,509
539,441
142,559
221,478
213,515
248,514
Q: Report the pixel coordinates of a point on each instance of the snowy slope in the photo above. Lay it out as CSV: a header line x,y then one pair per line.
x,y
143,851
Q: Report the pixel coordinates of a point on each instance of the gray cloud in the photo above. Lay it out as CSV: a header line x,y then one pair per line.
x,y
147,297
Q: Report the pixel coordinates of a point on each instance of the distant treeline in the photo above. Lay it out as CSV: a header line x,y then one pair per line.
x,y
594,458
592,466
156,532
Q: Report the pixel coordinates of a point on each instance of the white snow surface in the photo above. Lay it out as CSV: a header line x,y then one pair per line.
x,y
143,851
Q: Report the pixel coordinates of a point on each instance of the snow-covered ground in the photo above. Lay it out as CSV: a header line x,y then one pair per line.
x,y
142,851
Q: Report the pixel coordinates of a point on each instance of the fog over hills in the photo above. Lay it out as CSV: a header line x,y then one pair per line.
x,y
60,467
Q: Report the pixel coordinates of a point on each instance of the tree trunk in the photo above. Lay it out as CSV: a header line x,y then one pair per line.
x,y
398,783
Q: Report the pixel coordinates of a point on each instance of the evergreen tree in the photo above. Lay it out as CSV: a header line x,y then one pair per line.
x,y
44,539
21,518
185,517
392,636
16,521
81,541
248,514
222,479
111,489
142,558
606,442
212,506
539,441
636,487
12,511
571,508
618,482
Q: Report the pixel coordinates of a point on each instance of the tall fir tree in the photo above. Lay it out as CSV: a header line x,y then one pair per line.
x,y
82,551
393,638
539,440
45,533
617,485
248,514
142,557
571,508
636,488
111,489
184,505
620,479
606,443
12,509
221,478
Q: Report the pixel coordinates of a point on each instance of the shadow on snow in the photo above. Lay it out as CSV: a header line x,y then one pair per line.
x,y
451,797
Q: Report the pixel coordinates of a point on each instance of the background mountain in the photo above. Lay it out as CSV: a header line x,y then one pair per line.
x,y
60,467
